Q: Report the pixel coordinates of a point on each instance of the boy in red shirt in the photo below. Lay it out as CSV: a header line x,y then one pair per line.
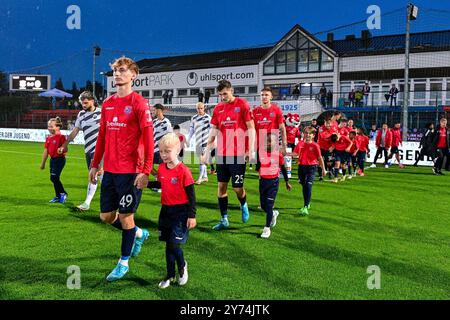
x,y
396,142
309,157
362,143
183,142
57,160
125,142
352,155
326,145
342,146
271,160
177,215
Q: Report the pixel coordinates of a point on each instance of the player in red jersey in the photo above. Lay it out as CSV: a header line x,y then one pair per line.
x,y
309,156
362,143
334,121
125,142
441,142
57,160
326,145
268,119
230,123
177,215
396,142
353,155
272,161
342,146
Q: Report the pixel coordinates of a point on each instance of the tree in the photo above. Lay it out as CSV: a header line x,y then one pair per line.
x,y
4,84
59,84
75,91
88,85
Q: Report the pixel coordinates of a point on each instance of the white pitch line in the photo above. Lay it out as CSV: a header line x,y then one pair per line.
x,y
35,154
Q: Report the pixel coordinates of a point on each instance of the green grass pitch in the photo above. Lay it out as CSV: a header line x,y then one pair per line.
x,y
395,219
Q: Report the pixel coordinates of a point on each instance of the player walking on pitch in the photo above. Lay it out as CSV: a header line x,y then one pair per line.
x,y
125,129
230,122
88,120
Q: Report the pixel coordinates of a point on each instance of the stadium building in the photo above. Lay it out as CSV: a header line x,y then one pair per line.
x,y
301,59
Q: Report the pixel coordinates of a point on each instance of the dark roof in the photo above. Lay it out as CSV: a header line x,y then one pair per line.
x,y
230,58
419,42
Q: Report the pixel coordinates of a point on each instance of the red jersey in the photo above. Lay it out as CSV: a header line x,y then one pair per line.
x,y
343,143
396,137
308,153
362,143
442,142
323,139
267,121
354,147
270,164
387,139
120,137
173,181
334,124
52,143
343,131
230,119
292,133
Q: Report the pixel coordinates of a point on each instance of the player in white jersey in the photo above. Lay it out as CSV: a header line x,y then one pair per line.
x,y
161,126
199,129
88,121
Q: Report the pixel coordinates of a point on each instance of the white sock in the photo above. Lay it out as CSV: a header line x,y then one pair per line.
x,y
123,262
201,171
90,192
138,232
205,171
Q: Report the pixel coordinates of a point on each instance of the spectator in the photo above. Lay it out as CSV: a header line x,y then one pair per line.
x,y
165,96
323,95
329,98
207,95
170,96
358,97
70,125
393,94
200,96
296,92
351,98
366,91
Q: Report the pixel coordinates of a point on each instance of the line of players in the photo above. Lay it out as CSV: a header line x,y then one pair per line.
x,y
126,144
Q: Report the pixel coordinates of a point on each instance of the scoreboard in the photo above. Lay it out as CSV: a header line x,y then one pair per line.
x,y
24,82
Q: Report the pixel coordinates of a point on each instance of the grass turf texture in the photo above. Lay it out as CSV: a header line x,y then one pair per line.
x,y
395,219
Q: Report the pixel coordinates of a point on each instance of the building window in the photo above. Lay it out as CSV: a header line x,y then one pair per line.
x,y
157,93
194,92
239,90
326,63
298,55
182,92
252,90
269,66
145,93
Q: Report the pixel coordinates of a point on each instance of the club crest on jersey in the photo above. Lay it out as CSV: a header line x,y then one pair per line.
x,y
174,180
237,109
94,117
127,110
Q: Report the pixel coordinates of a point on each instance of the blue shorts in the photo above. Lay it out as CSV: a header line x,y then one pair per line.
x,y
119,192
326,155
233,168
306,174
341,156
172,224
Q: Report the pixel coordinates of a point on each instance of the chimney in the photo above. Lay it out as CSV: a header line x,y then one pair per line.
x,y
365,35
350,37
330,37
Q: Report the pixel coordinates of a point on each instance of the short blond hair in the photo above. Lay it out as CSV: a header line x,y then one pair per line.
x,y
169,140
130,63
57,121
